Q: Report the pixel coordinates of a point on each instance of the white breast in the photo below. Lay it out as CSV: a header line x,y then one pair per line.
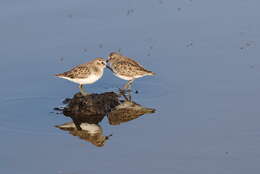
x,y
91,128
89,80
123,77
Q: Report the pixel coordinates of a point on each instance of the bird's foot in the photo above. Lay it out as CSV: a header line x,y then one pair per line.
x,y
82,91
123,90
126,93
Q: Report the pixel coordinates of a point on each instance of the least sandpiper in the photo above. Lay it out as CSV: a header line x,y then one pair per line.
x,y
126,68
86,73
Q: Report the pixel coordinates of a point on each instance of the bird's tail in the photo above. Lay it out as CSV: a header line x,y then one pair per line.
x,y
67,126
150,73
59,75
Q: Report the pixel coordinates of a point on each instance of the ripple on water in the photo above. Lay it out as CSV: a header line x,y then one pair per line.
x,y
30,115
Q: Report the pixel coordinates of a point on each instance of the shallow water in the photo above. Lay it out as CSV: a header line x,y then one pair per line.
x,y
206,91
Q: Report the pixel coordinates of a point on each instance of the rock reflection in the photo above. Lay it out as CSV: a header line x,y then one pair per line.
x,y
88,111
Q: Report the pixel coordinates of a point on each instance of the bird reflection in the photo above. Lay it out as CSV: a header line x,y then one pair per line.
x,y
127,111
87,111
89,132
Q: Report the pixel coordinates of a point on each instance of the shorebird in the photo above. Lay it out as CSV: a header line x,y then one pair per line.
x,y
126,68
86,73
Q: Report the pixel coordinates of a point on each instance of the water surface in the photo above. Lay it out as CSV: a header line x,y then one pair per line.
x,y
206,92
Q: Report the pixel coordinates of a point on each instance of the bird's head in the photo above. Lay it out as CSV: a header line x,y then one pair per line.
x,y
100,62
113,56
101,140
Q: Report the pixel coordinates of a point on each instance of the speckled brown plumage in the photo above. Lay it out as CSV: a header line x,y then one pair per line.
x,y
85,71
127,68
80,71
96,138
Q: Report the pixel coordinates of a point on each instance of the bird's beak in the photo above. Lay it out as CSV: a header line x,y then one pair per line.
x,y
107,137
108,59
108,67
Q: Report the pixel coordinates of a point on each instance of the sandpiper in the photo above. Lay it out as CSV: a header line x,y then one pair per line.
x,y
126,68
86,73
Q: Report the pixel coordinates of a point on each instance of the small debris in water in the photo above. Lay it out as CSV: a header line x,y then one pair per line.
x,y
189,44
247,44
252,66
100,45
148,40
130,11
242,33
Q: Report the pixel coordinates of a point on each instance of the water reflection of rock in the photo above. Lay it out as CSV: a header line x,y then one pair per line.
x,y
87,111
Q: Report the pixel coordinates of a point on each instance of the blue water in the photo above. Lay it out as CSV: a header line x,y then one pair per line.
x,y
206,91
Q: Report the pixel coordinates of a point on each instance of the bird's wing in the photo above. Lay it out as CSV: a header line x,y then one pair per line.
x,y
132,61
81,134
80,71
128,68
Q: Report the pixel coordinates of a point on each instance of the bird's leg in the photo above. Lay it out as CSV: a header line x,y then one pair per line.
x,y
128,84
129,96
123,93
82,90
127,89
77,123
